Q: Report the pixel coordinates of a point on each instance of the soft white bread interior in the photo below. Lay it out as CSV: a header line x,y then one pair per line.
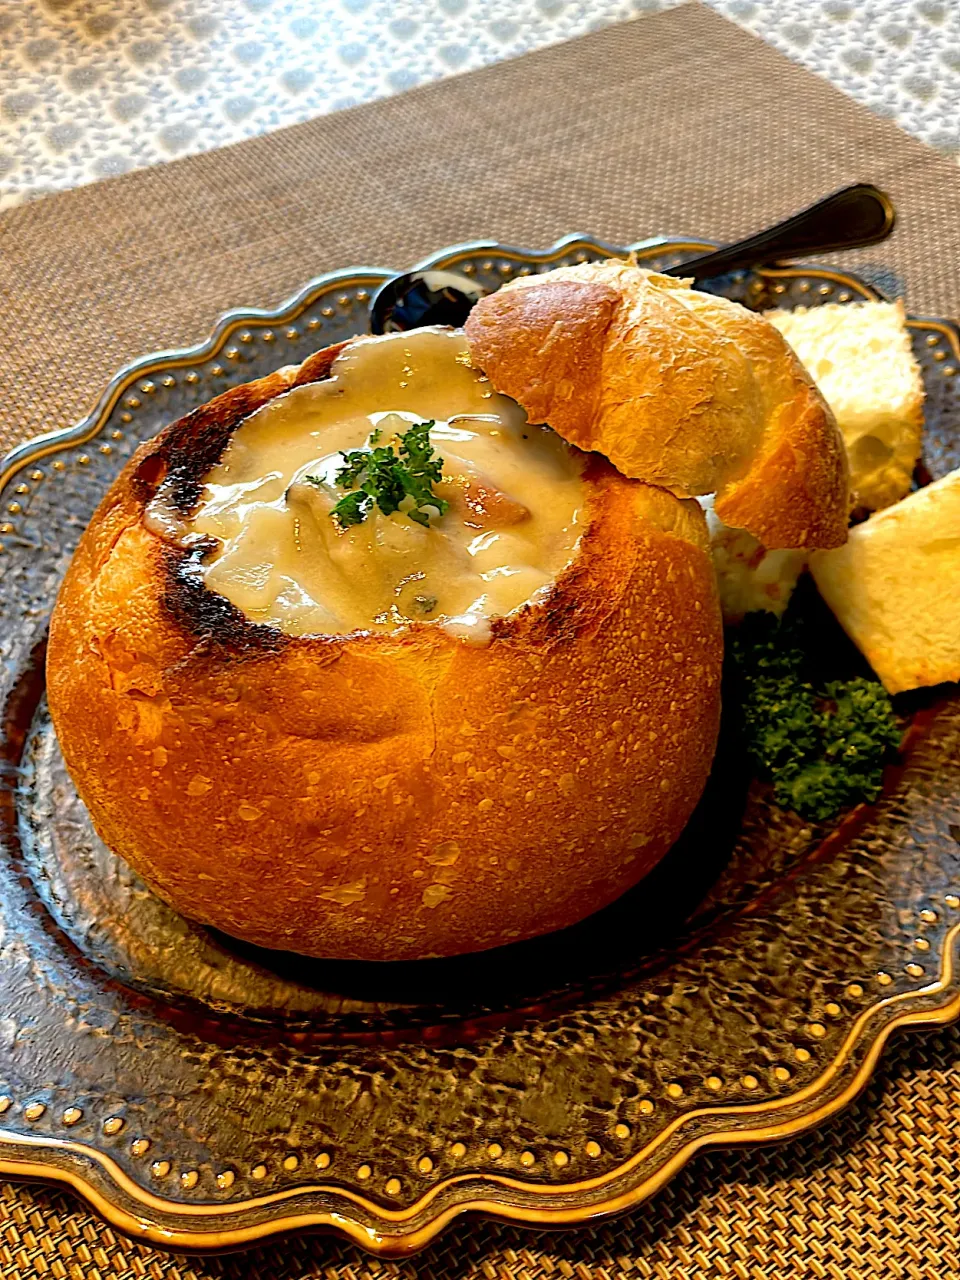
x,y
678,388
749,577
895,587
861,357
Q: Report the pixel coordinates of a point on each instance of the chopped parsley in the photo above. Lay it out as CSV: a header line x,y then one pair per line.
x,y
383,476
822,745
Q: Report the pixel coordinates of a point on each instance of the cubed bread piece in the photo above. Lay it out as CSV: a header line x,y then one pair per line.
x,y
895,587
861,358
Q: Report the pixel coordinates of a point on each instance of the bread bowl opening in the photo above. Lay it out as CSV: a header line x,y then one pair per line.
x,y
400,490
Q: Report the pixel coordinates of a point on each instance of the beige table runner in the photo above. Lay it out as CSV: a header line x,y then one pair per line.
x,y
676,123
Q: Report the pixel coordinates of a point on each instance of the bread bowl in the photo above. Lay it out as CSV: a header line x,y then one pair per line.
x,y
416,785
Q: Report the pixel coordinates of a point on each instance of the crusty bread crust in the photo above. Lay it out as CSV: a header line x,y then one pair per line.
x,y
677,388
386,796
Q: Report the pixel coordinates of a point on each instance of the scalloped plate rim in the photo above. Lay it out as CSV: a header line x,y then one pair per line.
x,y
384,1242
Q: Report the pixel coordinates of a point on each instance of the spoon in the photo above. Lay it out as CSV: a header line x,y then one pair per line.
x,y
418,298
847,219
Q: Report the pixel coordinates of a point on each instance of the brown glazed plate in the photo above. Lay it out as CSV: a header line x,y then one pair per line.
x,y
203,1095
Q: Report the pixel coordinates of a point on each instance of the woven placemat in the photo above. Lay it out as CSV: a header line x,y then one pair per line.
x,y
676,123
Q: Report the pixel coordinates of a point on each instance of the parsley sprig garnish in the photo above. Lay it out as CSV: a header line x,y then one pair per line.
x,y
384,476
823,745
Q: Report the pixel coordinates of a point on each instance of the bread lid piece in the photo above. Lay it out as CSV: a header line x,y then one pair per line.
x,y
678,388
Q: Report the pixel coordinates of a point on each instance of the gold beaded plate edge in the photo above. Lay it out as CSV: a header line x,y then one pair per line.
x,y
203,1096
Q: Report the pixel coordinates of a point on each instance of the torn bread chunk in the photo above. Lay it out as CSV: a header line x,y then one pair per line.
x,y
749,575
861,357
895,587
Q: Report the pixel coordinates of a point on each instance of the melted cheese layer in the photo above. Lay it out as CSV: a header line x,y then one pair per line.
x,y
515,493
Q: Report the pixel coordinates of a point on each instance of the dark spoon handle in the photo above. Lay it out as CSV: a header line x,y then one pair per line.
x,y
854,216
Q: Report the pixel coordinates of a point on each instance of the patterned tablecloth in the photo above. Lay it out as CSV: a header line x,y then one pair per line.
x,y
90,88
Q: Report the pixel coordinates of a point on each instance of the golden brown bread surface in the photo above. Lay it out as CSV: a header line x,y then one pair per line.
x,y
386,796
677,388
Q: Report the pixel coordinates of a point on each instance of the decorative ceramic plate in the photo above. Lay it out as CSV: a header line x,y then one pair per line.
x,y
202,1094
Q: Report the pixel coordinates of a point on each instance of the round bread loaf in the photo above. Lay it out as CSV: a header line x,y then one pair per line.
x,y
386,796
676,387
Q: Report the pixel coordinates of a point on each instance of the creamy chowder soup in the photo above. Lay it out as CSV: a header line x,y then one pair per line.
x,y
514,496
